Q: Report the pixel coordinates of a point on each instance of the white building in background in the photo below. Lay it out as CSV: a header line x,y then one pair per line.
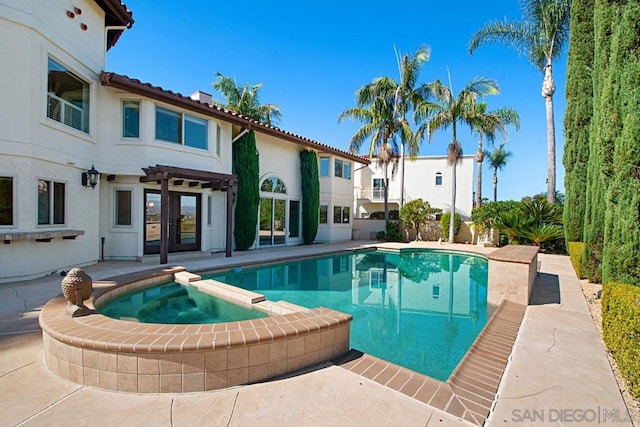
x,y
428,178
157,153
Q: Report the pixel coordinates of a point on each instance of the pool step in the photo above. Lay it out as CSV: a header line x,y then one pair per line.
x,y
279,307
228,292
185,278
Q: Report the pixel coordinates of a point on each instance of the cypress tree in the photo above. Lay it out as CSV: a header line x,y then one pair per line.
x,y
604,128
579,94
310,195
621,257
247,167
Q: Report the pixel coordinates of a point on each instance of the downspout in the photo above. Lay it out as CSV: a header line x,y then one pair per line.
x,y
108,28
240,135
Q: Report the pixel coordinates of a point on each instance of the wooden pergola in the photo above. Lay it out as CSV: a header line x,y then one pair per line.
x,y
193,178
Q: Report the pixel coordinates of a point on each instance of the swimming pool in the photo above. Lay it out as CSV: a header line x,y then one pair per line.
x,y
418,309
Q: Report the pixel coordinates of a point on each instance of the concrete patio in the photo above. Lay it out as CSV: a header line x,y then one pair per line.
x,y
558,372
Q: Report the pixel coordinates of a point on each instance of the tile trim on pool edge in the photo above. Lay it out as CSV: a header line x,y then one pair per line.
x,y
472,386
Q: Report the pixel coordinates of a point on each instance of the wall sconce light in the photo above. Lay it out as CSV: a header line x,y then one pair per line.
x,y
90,178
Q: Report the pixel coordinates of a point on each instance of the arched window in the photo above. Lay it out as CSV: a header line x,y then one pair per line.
x,y
273,185
438,178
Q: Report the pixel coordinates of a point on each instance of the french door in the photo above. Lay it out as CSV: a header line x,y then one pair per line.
x,y
184,222
273,221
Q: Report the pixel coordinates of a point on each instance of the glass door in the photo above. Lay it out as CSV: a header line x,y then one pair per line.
x,y
266,218
273,221
151,222
184,222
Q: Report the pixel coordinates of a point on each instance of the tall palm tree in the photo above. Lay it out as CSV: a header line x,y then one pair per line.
x,y
244,100
403,96
379,126
449,110
541,36
489,124
407,96
497,161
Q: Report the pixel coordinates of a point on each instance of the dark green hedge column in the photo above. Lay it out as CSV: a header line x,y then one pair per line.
x,y
621,258
577,117
310,195
605,126
246,166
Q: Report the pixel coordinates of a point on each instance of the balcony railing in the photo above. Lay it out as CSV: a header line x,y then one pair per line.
x,y
65,112
376,194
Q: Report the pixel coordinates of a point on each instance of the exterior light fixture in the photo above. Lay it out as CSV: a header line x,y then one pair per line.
x,y
90,178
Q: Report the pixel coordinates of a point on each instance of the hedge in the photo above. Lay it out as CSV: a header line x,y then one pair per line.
x,y
310,195
246,166
444,224
621,330
576,249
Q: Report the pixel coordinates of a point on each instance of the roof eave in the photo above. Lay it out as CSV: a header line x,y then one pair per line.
x,y
159,94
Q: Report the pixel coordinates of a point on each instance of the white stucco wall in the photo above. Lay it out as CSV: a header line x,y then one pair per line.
x,y
336,191
420,183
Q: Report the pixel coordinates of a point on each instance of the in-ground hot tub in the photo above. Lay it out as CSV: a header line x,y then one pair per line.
x,y
122,355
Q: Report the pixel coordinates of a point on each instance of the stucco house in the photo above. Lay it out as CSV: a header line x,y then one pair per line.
x,y
428,178
157,154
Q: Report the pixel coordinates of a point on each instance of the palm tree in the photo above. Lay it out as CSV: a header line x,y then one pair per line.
x,y
540,35
407,96
489,124
402,96
497,161
449,110
376,114
244,100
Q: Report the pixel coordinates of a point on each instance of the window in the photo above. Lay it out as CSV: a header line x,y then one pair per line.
x,y
338,168
346,215
6,200
347,170
51,202
273,185
324,166
181,128
294,218
435,291
209,210
131,119
324,214
123,207
67,97
341,215
378,190
438,178
218,140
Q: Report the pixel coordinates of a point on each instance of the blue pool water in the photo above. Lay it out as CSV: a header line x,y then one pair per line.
x,y
175,303
420,309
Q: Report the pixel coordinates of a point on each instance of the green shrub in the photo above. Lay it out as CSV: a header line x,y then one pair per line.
x,y
393,214
393,232
576,249
444,224
621,330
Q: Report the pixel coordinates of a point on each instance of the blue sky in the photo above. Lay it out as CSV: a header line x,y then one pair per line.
x,y
312,57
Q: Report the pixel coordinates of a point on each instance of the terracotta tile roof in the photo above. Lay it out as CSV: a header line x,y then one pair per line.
x,y
159,94
116,14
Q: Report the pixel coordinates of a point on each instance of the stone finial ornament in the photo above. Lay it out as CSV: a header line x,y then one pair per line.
x,y
76,288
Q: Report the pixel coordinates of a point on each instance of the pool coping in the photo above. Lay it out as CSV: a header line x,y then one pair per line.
x,y
471,390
